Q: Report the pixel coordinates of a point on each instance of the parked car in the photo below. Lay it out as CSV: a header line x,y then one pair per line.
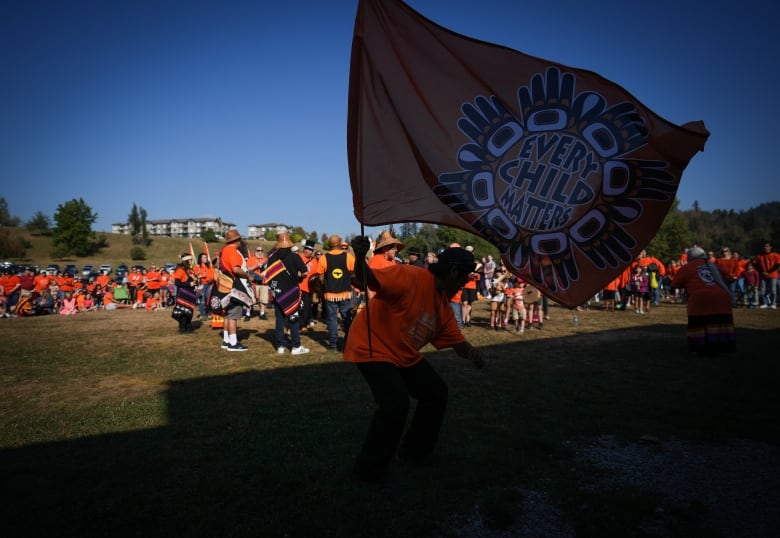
x,y
87,270
71,269
170,267
106,267
121,271
52,269
10,267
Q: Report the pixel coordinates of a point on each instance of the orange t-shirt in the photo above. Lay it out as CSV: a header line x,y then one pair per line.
x,y
108,297
471,283
380,261
311,269
41,282
102,279
406,313
153,280
135,279
231,257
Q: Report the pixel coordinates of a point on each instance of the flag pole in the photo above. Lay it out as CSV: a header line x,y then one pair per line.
x,y
363,268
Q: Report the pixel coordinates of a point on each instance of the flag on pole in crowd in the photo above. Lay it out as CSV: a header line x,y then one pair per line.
x,y
206,251
192,253
564,171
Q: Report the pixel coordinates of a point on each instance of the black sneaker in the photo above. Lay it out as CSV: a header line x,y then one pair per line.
x,y
237,347
263,316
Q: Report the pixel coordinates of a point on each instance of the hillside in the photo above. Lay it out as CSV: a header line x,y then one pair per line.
x,y
162,250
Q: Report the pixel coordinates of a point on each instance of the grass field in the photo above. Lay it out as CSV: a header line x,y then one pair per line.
x,y
117,251
114,425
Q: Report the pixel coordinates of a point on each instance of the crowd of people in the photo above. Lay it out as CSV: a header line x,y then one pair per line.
x,y
327,294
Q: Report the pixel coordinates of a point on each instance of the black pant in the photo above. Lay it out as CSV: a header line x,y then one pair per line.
x,y
391,387
306,311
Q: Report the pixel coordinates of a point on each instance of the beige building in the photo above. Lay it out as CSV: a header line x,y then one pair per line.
x,y
189,227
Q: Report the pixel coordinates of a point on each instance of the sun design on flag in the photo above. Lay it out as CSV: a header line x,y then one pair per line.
x,y
557,179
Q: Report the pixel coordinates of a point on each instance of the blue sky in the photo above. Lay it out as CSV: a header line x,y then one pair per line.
x,y
238,109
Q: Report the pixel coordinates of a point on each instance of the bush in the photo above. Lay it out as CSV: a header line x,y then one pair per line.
x,y
137,253
12,246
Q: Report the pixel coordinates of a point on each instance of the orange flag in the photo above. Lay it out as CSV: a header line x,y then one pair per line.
x,y
206,251
565,172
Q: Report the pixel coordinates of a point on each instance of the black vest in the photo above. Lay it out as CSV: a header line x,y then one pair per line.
x,y
337,276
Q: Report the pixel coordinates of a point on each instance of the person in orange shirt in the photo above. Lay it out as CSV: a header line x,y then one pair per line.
x,y
109,303
385,251
767,263
469,294
154,303
710,320
624,287
410,310
103,279
729,265
165,287
153,281
312,264
135,280
256,265
232,260
205,275
41,281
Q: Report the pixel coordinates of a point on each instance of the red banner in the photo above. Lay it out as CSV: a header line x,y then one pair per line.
x,y
565,172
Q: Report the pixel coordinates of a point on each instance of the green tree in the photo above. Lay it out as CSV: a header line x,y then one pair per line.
x,y
209,236
408,230
73,231
5,216
134,222
673,236
145,241
40,224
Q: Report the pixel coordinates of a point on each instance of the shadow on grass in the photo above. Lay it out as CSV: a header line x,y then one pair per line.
x,y
268,453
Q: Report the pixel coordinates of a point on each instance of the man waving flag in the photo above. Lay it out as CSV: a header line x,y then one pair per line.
x,y
565,172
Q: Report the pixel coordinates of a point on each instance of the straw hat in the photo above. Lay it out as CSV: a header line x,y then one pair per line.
x,y
232,236
283,241
387,240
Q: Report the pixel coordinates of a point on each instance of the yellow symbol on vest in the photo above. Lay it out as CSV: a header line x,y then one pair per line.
x,y
337,273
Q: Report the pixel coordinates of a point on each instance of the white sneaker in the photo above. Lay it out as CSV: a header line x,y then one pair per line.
x,y
281,349
300,350
763,306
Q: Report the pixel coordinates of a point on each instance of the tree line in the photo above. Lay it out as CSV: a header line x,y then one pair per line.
x,y
742,231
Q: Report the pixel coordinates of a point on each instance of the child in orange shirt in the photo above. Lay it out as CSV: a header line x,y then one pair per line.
x,y
153,302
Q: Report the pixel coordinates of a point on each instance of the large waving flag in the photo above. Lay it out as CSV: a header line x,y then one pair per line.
x,y
565,172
